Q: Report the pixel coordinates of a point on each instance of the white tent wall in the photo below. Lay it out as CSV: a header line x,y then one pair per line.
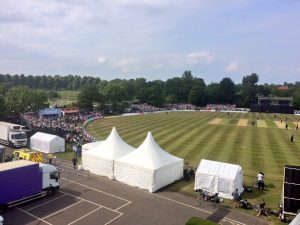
x,y
91,163
134,176
47,143
90,145
100,156
218,177
148,167
57,144
167,175
296,220
39,145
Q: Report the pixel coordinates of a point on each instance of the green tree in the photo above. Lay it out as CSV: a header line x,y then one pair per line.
x,y
114,91
2,106
88,96
152,93
197,96
22,99
249,90
227,90
213,93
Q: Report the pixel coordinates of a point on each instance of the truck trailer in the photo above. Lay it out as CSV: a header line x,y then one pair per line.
x,y
23,181
13,135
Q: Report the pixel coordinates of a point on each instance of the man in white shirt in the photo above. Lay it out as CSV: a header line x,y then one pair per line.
x,y
260,180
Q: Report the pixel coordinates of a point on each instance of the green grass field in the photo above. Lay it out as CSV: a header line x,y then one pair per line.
x,y
66,98
193,136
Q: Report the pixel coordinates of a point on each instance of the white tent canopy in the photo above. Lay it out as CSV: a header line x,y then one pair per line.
x,y
100,158
47,143
148,167
296,220
90,145
219,177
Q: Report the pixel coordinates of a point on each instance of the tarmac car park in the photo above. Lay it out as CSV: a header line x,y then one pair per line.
x,y
87,199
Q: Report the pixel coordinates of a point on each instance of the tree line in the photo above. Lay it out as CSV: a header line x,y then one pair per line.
x,y
20,93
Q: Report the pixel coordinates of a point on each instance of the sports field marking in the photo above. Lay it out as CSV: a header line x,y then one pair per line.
x,y
52,214
261,123
40,219
46,202
193,207
242,123
279,124
216,121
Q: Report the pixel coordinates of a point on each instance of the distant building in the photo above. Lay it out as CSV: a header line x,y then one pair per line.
x,y
282,88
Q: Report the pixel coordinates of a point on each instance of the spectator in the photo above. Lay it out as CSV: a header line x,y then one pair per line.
x,y
263,209
74,161
50,157
236,197
260,180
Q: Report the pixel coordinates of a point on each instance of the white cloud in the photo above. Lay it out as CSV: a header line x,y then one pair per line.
x,y
124,62
232,67
102,60
200,57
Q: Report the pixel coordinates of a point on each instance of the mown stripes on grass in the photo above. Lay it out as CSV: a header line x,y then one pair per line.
x,y
190,136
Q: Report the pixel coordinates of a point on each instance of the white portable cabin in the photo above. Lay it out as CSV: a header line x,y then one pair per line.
x,y
47,143
219,177
148,167
100,159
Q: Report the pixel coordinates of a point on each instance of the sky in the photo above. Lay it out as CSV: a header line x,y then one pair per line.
x,y
154,39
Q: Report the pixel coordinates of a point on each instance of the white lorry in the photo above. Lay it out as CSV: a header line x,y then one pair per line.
x,y
23,181
13,135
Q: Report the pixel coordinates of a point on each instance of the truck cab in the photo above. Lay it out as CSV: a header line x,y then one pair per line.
x,y
18,138
51,178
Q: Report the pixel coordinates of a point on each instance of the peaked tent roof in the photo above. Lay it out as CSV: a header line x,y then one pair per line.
x,y
216,168
44,136
149,155
112,148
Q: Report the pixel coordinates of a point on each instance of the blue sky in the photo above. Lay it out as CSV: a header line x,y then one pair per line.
x,y
152,39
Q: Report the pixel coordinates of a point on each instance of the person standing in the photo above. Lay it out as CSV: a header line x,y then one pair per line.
x,y
74,161
292,137
74,150
236,197
260,180
50,157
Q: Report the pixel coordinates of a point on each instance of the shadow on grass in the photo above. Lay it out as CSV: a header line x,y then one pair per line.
x,y
257,192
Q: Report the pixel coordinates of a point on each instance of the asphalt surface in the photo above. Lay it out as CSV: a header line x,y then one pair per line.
x,y
85,199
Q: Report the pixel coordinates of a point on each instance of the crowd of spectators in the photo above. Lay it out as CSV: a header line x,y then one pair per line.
x,y
141,108
180,107
80,118
70,128
219,107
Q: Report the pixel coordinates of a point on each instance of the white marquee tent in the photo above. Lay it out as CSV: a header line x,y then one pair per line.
x,y
148,167
47,143
90,145
100,158
219,177
296,220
